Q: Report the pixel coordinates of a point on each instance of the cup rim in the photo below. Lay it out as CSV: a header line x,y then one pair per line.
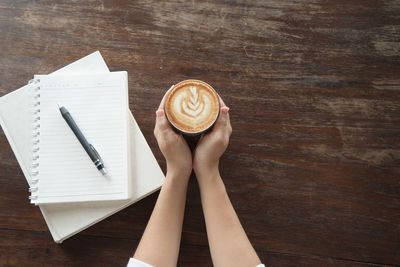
x,y
204,130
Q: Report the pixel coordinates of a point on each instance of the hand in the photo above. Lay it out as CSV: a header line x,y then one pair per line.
x,y
172,145
213,144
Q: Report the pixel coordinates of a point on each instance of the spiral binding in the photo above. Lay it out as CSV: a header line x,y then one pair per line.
x,y
36,139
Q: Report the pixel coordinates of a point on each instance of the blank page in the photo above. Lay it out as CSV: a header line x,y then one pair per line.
x,y
98,104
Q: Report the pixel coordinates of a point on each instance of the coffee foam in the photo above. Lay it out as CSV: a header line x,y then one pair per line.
x,y
192,106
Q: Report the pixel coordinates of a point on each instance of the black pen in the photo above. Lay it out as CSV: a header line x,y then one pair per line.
x,y
94,156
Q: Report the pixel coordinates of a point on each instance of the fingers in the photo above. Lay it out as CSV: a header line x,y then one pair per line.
x,y
224,115
161,122
221,102
164,98
223,119
225,110
223,122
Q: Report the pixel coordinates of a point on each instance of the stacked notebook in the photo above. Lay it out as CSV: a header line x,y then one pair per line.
x,y
62,170
71,193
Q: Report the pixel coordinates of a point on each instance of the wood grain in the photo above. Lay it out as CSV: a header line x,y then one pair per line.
x,y
313,166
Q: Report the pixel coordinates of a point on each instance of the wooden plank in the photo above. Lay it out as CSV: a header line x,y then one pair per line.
x,y
313,164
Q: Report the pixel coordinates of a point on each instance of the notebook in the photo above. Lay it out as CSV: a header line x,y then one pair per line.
x,y
62,170
66,220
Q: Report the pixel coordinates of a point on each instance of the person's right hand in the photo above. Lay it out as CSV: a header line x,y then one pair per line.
x,y
213,144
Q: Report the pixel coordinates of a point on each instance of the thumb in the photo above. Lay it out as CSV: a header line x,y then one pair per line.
x,y
223,119
161,120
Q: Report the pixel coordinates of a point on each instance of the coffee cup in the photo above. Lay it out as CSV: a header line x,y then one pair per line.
x,y
192,107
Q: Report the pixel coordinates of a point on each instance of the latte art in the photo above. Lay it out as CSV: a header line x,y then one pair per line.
x,y
192,106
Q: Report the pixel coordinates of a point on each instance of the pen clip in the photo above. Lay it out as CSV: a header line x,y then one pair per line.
x,y
95,151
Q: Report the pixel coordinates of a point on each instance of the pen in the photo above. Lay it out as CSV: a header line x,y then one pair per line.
x,y
94,156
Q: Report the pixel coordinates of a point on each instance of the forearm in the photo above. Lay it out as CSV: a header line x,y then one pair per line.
x,y
229,245
160,242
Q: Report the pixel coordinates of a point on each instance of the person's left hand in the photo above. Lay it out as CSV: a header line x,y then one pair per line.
x,y
172,145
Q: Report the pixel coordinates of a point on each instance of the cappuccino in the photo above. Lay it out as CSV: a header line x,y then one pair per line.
x,y
192,107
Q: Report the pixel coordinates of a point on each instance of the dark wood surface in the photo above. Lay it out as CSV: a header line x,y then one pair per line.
x,y
313,167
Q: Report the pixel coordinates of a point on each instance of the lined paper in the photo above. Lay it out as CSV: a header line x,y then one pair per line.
x,y
98,104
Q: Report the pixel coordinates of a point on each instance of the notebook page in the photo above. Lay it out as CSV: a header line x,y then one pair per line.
x,y
98,104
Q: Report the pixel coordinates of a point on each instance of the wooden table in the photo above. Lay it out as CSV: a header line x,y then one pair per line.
x,y
313,167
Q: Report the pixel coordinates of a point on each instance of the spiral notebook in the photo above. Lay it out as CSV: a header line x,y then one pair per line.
x,y
61,169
